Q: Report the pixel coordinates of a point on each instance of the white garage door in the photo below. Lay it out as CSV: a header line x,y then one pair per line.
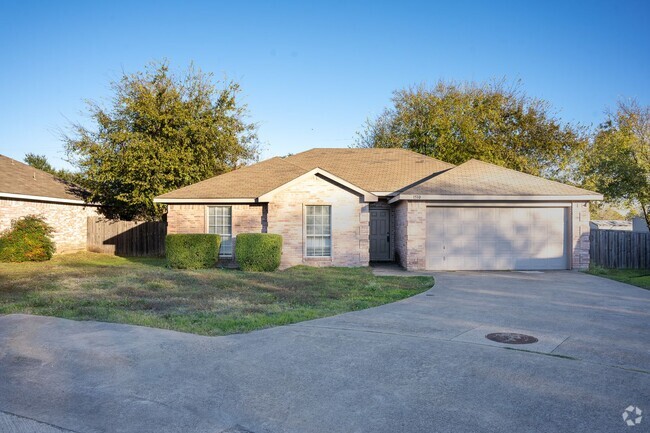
x,y
496,238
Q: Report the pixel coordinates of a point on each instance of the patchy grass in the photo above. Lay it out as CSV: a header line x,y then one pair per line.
x,y
144,291
636,277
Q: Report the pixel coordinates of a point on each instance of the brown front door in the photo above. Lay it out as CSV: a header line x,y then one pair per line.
x,y
380,234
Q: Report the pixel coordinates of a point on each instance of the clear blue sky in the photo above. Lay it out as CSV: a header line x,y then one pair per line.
x,y
312,73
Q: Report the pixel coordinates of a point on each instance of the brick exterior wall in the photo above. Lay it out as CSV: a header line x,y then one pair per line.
x,y
284,215
191,218
580,235
401,210
350,223
185,218
69,221
410,230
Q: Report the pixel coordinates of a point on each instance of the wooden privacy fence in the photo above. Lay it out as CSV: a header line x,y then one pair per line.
x,y
618,249
126,238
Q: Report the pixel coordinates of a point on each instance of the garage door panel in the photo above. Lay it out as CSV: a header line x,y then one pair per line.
x,y
498,238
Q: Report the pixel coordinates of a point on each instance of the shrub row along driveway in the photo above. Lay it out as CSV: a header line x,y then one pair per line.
x,y
411,366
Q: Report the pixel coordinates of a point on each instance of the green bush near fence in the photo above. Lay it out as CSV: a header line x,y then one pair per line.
x,y
258,252
28,240
192,251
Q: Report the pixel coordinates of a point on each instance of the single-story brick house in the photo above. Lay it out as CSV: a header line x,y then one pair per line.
x,y
25,190
347,207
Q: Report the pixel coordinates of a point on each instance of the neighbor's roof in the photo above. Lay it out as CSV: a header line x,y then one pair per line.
x,y
372,170
612,225
480,179
18,180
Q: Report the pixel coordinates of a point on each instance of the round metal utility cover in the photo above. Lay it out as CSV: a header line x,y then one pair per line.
x,y
511,338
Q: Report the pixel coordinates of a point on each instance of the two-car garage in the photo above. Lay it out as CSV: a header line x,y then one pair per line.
x,y
479,216
497,238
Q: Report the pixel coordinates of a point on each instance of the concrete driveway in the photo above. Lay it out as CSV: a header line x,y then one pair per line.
x,y
420,365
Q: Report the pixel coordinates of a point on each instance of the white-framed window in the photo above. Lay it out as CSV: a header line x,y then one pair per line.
x,y
220,223
318,227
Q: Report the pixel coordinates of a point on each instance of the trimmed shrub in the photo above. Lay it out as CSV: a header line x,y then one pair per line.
x,y
258,252
28,240
192,251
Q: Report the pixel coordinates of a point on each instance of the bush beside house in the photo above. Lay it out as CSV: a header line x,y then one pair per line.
x,y
28,239
258,252
192,251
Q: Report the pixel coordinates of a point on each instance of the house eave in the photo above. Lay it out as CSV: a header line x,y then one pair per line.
x,y
163,200
44,199
384,193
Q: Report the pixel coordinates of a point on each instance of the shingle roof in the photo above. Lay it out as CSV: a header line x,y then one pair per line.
x,y
373,170
247,182
477,178
21,179
377,170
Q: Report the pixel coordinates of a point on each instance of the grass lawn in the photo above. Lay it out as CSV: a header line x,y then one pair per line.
x,y
636,277
89,286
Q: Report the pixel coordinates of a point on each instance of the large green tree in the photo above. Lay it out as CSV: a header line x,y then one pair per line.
x,y
160,132
493,122
617,162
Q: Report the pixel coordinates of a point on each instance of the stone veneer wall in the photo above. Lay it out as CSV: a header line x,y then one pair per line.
x,y
350,223
69,221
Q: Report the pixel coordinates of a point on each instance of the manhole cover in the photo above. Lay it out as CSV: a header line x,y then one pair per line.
x,y
511,338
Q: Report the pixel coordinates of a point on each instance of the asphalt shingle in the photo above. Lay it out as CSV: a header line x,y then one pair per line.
x,y
373,170
22,179
483,179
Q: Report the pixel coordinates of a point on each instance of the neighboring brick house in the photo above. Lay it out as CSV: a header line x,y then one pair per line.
x,y
25,190
348,207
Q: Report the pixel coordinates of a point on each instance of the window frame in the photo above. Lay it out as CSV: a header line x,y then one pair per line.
x,y
231,235
307,236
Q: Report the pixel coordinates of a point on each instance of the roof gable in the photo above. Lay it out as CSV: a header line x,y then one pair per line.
x,y
367,196
480,179
22,181
373,169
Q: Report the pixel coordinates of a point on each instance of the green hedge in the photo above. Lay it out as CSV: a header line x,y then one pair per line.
x,y
28,239
258,252
192,251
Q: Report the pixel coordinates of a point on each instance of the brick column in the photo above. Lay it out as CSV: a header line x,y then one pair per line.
x,y
580,235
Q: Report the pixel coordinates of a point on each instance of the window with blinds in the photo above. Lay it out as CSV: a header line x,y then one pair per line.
x,y
318,227
220,222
